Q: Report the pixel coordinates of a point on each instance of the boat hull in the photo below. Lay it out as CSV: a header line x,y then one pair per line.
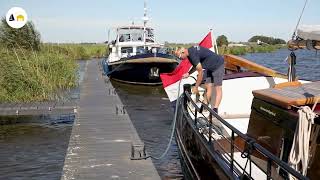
x,y
205,159
198,158
142,69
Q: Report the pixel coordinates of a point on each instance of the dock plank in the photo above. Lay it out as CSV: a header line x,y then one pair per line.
x,y
100,143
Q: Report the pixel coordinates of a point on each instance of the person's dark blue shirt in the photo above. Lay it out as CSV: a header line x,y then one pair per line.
x,y
208,59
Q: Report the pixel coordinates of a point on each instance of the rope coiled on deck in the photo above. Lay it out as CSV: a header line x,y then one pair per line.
x,y
300,150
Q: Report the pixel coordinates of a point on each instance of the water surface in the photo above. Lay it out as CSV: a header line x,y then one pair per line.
x,y
35,147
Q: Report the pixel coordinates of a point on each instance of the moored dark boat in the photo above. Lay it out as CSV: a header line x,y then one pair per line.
x,y
141,69
135,56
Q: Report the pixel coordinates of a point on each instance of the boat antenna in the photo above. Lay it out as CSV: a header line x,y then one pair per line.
x,y
295,31
145,20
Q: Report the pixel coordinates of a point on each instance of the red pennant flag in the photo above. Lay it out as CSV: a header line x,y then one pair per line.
x,y
207,41
170,81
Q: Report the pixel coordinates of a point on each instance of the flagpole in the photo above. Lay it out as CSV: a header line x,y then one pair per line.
x,y
213,39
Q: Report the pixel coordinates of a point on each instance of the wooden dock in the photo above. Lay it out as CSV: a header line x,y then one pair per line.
x,y
102,134
37,108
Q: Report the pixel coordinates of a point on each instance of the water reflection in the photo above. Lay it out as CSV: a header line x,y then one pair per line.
x,y
34,147
32,150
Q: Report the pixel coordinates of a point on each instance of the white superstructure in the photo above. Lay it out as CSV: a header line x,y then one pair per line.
x,y
133,40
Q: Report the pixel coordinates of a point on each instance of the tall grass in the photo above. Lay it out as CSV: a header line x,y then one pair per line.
x,y
27,75
78,51
34,71
34,76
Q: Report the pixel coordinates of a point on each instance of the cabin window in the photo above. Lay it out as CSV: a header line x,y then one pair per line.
x,y
126,50
163,50
124,37
150,35
137,36
141,50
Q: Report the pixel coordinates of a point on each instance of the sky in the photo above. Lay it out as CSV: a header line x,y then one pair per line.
x,y
181,21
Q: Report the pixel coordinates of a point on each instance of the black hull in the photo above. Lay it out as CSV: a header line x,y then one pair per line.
x,y
198,158
142,69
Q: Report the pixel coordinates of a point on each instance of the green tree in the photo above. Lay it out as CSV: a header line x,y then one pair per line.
x,y
265,39
222,40
26,37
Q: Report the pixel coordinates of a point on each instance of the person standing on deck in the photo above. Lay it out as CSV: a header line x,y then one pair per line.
x,y
210,67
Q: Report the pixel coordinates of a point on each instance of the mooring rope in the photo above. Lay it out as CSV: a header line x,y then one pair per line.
x,y
172,131
300,150
173,126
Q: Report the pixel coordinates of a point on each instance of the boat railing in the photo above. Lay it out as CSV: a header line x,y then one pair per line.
x,y
217,140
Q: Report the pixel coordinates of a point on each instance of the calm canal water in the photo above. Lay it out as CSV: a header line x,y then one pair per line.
x,y
152,115
35,147
307,67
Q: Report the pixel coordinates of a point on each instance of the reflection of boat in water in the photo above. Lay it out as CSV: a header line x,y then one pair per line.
x,y
255,135
135,56
139,90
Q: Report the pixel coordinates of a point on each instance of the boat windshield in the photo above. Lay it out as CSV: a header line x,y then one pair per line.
x,y
130,35
135,34
150,35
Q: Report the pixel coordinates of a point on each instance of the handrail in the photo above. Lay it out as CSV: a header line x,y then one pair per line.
x,y
271,157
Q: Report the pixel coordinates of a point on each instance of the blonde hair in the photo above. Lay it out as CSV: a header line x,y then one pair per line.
x,y
179,49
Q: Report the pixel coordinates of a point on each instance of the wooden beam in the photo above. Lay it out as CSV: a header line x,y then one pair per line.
x,y
301,44
251,66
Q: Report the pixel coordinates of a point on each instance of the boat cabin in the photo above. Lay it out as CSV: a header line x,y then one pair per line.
x,y
131,41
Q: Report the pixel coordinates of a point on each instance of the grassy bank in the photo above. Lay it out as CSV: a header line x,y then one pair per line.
x,y
236,50
250,49
77,51
34,75
35,71
27,75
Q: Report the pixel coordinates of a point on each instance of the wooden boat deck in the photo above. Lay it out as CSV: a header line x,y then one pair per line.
x,y
287,96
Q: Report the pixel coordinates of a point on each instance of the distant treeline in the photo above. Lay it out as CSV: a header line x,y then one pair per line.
x,y
268,40
235,50
266,44
250,48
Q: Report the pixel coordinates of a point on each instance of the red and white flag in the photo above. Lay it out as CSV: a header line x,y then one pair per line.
x,y
171,80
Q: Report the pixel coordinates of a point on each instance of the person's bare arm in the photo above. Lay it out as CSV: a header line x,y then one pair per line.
x,y
199,77
193,69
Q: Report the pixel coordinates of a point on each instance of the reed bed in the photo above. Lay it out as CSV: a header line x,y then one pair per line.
x,y
35,71
78,51
34,76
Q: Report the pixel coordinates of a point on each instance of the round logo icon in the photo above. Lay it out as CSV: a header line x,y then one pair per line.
x,y
16,17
